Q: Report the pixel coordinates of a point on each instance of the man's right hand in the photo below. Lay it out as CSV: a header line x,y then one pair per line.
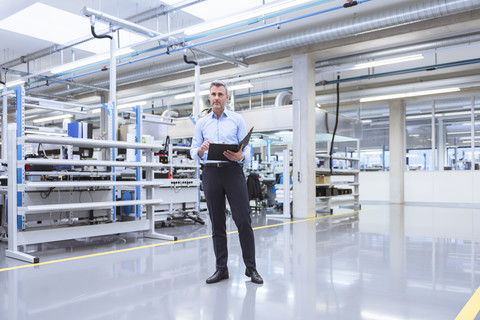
x,y
204,147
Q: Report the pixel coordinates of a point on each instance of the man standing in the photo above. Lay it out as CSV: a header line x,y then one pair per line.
x,y
225,178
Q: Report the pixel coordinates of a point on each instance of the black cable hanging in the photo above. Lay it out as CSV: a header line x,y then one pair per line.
x,y
194,62
5,81
336,124
101,36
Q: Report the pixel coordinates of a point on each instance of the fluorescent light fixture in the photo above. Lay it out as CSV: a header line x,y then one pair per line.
x,y
372,151
63,116
208,10
420,116
444,114
191,94
409,94
386,62
89,60
15,83
367,121
206,92
58,26
461,132
245,15
131,104
46,133
125,105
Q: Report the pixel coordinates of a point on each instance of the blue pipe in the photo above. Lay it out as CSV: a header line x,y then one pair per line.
x,y
276,24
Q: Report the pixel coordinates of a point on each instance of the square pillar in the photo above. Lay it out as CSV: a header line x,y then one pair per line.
x,y
303,100
397,151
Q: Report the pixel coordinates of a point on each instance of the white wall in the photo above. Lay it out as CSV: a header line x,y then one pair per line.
x,y
449,187
422,221
374,186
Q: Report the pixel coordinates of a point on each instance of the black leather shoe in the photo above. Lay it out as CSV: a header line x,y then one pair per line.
x,y
252,273
218,276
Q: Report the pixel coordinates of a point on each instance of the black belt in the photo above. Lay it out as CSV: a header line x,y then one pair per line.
x,y
221,164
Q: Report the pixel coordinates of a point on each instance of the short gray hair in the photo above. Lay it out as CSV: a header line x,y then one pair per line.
x,y
219,83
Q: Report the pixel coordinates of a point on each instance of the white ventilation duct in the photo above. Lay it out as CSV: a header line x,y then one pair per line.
x,y
283,99
170,113
420,11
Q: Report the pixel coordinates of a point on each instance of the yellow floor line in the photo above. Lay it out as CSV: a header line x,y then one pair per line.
x,y
471,309
163,243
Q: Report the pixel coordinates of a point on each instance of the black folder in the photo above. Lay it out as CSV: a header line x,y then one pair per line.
x,y
215,150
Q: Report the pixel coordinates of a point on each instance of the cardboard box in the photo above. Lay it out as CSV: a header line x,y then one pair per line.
x,y
321,179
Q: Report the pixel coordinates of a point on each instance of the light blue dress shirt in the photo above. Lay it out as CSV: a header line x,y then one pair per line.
x,y
229,128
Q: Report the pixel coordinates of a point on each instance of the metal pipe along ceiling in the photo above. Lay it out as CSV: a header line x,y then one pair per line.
x,y
417,12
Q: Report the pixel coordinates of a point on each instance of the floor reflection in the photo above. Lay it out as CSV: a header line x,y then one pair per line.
x,y
387,262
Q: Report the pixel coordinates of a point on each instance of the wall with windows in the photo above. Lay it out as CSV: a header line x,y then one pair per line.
x,y
442,156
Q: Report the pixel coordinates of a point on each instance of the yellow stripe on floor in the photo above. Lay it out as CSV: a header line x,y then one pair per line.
x,y
161,244
470,310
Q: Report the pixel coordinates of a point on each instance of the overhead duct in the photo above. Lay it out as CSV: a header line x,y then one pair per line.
x,y
283,99
417,12
170,113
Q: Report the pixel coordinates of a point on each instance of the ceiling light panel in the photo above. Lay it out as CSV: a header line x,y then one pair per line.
x,y
213,9
58,26
250,9
385,62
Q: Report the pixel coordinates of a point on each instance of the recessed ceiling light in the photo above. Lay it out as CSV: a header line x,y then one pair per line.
x,y
408,94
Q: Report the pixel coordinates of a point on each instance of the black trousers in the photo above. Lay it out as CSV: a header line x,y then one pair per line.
x,y
230,182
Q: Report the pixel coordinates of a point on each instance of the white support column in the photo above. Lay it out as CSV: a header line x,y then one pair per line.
x,y
472,134
441,145
397,151
4,123
434,142
196,102
113,87
303,136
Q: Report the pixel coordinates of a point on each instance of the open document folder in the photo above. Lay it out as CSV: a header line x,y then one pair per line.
x,y
215,151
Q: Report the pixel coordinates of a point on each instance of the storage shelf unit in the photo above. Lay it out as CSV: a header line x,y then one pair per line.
x,y
181,193
67,216
349,177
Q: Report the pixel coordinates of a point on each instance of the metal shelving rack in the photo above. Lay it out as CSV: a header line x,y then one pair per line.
x,y
20,208
181,195
351,175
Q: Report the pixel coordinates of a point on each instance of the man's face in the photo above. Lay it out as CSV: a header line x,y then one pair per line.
x,y
218,97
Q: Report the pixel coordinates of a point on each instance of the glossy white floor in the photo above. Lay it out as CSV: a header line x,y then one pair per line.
x,y
386,262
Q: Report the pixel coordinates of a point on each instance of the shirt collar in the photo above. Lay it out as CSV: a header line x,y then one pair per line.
x,y
226,113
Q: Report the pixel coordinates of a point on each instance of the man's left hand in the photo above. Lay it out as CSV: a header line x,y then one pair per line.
x,y
234,156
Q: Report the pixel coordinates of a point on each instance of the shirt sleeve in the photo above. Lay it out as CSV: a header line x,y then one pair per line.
x,y
197,142
242,132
